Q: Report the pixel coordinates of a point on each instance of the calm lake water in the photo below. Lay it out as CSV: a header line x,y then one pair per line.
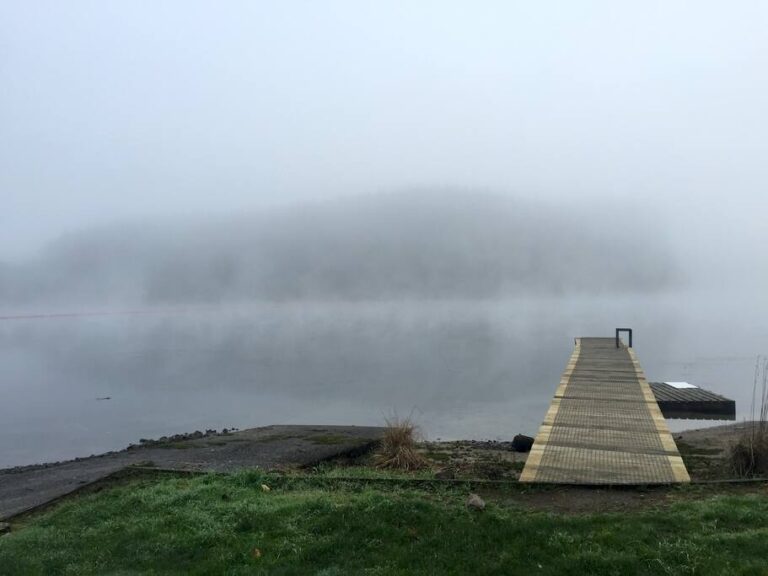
x,y
462,369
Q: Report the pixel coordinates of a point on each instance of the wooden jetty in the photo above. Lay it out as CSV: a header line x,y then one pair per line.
x,y
604,425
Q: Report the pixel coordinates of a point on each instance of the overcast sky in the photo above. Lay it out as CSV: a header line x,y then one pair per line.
x,y
114,110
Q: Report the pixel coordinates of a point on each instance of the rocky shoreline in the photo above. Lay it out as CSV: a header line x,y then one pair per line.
x,y
163,441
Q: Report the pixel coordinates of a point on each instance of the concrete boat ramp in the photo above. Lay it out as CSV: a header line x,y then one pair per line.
x,y
26,488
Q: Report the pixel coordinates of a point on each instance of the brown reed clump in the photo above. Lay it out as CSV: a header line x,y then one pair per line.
x,y
749,454
398,446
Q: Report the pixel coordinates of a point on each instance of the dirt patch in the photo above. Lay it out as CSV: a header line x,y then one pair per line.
x,y
485,460
588,500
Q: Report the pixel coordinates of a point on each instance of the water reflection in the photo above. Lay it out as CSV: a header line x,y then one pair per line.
x,y
465,368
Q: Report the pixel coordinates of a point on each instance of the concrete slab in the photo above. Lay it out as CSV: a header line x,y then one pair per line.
x,y
25,488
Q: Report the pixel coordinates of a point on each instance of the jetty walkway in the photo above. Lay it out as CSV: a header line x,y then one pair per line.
x,y
604,425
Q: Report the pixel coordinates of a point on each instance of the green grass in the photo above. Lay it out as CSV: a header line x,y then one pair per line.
x,y
329,470
276,437
213,524
685,448
438,456
328,439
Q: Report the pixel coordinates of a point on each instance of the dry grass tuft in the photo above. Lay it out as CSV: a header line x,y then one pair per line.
x,y
749,455
398,447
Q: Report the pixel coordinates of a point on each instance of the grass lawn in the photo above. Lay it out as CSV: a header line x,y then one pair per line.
x,y
230,525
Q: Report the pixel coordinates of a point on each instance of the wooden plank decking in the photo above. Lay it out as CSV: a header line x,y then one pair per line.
x,y
692,403
604,425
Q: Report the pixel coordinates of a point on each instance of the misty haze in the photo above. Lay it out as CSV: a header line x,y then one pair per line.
x,y
403,287
270,214
404,246
448,306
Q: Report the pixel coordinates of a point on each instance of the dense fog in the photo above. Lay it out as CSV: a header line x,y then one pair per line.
x,y
390,246
253,213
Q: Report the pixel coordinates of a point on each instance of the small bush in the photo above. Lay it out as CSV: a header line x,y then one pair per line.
x,y
749,454
398,446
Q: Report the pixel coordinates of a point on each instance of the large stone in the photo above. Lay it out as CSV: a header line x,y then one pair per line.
x,y
474,502
521,443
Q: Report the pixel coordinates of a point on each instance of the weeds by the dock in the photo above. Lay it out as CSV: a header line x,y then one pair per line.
x,y
749,454
398,449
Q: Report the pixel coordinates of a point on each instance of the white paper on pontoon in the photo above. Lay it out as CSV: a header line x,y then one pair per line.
x,y
680,385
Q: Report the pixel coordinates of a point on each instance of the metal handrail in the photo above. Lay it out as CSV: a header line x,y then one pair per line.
x,y
618,342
